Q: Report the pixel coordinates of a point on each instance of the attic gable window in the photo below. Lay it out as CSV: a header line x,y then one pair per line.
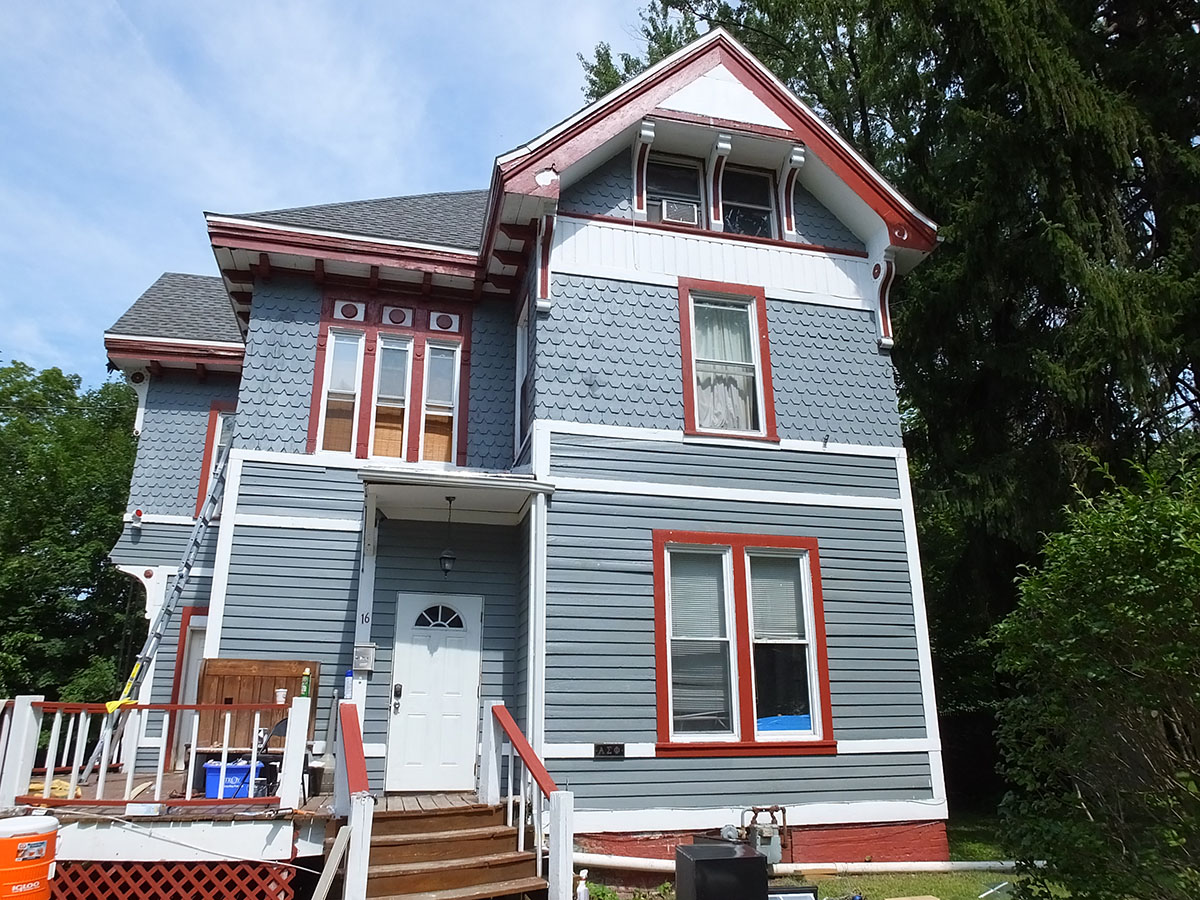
x,y
727,385
748,204
742,666
673,191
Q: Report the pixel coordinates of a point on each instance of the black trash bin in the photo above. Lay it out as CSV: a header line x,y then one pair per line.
x,y
724,871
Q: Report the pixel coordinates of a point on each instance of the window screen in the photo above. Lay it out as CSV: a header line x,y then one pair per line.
x,y
701,669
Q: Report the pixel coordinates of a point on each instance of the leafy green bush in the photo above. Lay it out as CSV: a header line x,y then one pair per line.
x,y
1101,737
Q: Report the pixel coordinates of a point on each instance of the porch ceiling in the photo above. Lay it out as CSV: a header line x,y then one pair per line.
x,y
491,499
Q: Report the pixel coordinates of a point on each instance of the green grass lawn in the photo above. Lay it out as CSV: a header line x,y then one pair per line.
x,y
943,885
975,837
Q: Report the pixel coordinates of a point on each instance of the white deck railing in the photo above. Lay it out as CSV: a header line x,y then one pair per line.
x,y
531,799
45,762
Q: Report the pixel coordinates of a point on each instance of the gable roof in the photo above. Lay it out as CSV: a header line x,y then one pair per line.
x,y
733,74
181,307
448,218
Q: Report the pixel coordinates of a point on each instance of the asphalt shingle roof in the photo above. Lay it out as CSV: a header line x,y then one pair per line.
x,y
183,307
450,219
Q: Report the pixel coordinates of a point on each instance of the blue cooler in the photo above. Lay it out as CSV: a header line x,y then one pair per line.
x,y
237,778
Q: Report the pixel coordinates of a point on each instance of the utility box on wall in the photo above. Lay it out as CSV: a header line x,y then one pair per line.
x,y
719,872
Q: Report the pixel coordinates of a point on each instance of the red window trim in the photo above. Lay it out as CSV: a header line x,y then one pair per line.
x,y
823,744
372,327
214,413
758,297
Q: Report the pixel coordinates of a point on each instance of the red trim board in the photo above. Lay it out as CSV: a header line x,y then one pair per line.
x,y
758,297
210,434
823,744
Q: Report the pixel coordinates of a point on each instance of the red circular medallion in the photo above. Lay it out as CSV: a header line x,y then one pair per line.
x,y
149,573
444,322
349,311
875,271
397,316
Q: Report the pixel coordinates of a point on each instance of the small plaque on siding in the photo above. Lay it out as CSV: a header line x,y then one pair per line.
x,y
608,751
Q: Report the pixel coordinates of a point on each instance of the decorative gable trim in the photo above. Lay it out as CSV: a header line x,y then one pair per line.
x,y
885,274
721,148
785,185
641,156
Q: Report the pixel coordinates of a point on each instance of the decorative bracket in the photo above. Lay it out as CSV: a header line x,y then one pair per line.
x,y
716,167
885,273
545,240
786,186
641,155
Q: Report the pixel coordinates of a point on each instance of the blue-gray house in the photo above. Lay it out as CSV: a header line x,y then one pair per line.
x,y
650,365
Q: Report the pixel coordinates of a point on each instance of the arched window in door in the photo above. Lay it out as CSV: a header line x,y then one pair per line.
x,y
439,617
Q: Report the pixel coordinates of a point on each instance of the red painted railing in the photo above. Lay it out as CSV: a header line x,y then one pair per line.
x,y
352,747
537,771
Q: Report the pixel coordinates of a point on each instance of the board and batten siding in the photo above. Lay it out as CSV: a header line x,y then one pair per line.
x,y
170,452
406,560
600,611
608,353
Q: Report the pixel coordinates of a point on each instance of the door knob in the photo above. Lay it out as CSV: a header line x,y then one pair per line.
x,y
397,692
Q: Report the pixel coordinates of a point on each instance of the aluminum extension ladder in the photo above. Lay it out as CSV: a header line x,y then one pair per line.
x,y
114,722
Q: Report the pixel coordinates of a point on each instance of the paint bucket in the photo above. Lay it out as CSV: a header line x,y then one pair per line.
x,y
281,696
27,848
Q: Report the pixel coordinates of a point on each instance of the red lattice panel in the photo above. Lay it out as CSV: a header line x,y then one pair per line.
x,y
173,881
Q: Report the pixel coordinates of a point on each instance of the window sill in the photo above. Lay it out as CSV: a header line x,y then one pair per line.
x,y
747,748
732,436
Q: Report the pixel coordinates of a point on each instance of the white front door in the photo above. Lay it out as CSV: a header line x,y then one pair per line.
x,y
434,715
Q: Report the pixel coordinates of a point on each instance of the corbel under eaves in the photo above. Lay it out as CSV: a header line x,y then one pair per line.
x,y
716,166
785,184
542,255
642,139
884,274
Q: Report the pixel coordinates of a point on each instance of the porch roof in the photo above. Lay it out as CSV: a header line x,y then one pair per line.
x,y
485,497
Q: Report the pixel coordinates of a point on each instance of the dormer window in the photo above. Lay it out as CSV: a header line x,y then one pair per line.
x,y
747,200
673,191
341,391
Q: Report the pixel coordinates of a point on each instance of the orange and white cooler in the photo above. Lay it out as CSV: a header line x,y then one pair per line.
x,y
27,845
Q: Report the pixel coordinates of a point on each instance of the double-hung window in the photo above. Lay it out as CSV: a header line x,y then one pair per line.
x,y
342,381
747,204
391,397
740,640
673,193
726,361
441,402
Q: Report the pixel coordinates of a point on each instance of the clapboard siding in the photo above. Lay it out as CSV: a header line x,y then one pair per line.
x,y
600,616
156,544
275,489
588,456
292,595
754,781
162,676
407,560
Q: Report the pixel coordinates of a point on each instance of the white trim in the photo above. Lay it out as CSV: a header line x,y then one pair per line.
x,y
220,581
307,523
181,341
531,648
141,390
921,624
155,841
365,603
537,625
575,263
587,751
709,492
362,238
590,821
539,454
626,432
397,472
375,751
888,745
161,519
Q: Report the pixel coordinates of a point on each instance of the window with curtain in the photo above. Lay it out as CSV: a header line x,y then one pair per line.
x,y
341,391
441,399
781,654
391,397
725,364
701,644
747,202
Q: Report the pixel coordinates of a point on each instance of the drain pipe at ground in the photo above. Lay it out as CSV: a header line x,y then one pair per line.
x,y
667,866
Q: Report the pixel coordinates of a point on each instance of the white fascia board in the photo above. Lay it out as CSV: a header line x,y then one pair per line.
x,y
304,523
156,841
321,232
627,432
589,821
234,345
709,492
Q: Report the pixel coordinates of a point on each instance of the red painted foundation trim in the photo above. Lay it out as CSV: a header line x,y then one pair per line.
x,y
920,841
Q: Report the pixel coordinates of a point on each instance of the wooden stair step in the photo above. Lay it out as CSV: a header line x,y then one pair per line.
x,y
431,875
509,888
396,822
461,843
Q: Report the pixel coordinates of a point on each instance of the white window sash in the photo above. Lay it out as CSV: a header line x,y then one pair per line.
x,y
756,357
730,637
380,343
814,689
452,409
773,218
326,393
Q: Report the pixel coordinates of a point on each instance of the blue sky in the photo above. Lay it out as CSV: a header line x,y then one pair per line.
x,y
123,121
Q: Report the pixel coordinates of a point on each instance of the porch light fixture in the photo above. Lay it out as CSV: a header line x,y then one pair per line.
x,y
446,560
